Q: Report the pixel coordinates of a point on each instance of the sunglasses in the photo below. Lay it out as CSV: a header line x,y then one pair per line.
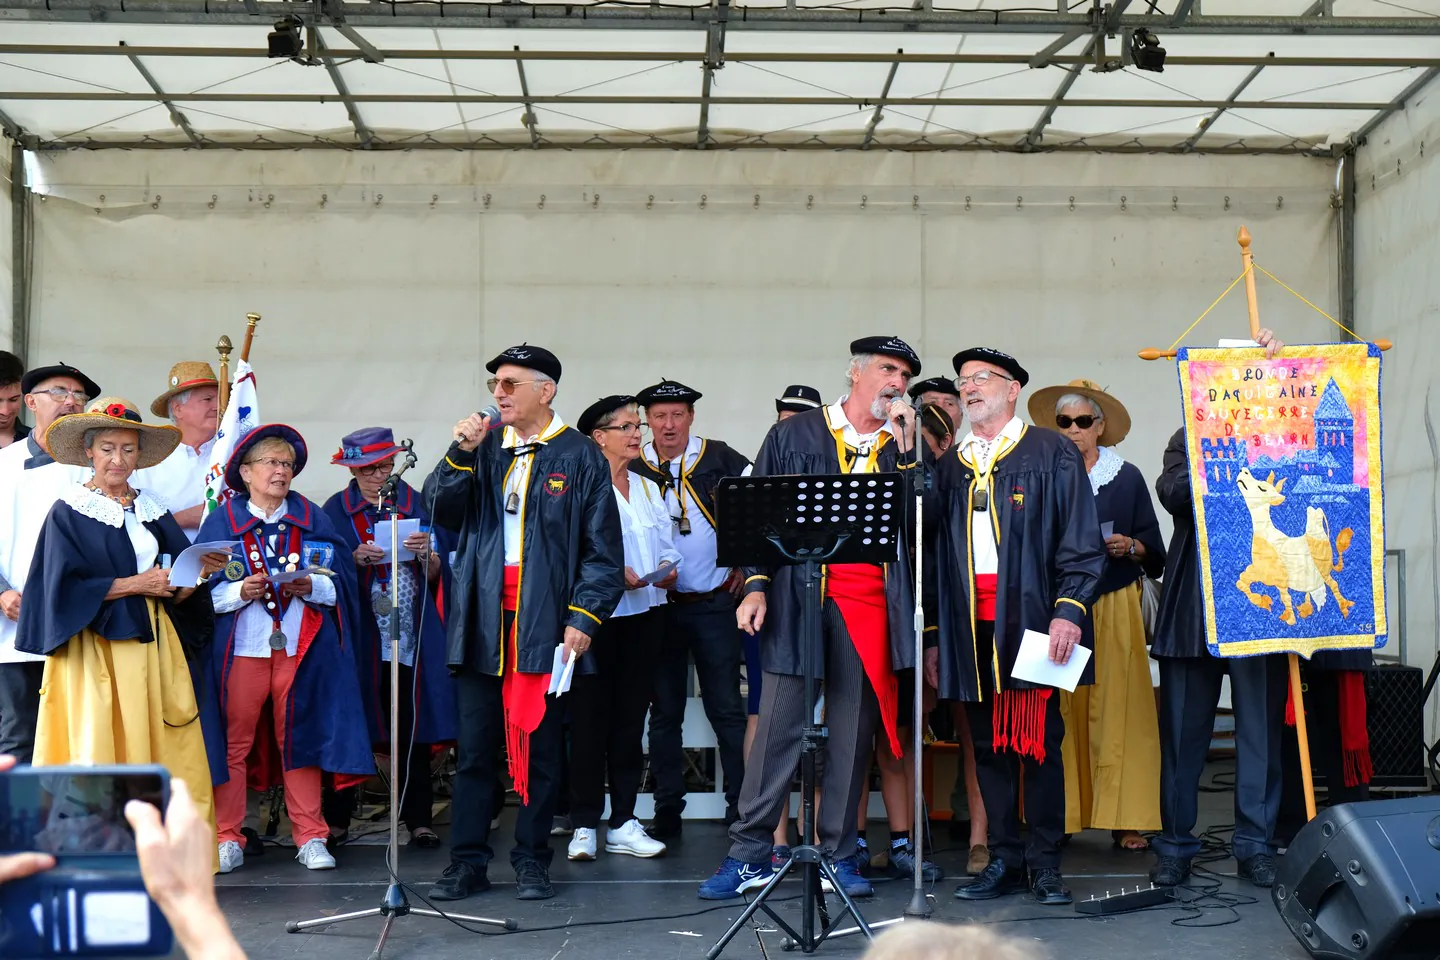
x,y
507,387
1084,422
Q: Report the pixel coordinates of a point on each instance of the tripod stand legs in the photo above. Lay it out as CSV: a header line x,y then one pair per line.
x,y
394,906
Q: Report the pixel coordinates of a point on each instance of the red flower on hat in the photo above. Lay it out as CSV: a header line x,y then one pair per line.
x,y
115,410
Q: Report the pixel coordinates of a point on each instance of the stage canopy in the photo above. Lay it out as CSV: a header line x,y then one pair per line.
x,y
1295,76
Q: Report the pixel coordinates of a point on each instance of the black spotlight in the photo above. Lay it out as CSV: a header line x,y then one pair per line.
x,y
1145,51
286,41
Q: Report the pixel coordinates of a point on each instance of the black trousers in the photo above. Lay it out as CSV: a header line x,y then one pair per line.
x,y
998,773
1327,757
607,718
478,767
20,708
1189,693
704,630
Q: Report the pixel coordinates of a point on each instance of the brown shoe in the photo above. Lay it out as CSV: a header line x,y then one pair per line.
x,y
979,860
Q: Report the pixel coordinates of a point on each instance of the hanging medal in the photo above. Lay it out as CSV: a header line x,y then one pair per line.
x,y
261,561
365,530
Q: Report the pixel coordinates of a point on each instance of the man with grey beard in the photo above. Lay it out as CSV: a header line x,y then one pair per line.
x,y
867,628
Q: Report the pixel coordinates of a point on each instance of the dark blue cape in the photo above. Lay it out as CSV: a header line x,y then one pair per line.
x,y
435,690
325,721
77,559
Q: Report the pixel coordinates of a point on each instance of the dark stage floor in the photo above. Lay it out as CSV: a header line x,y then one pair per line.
x,y
624,907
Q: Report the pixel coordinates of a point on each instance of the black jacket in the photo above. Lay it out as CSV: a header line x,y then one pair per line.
x,y
572,555
1180,627
1050,550
717,460
804,444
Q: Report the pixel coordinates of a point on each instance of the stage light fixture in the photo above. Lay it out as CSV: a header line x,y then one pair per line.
x,y
286,40
1146,52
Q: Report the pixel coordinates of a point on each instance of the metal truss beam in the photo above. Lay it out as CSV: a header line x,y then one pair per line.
x,y
879,113
692,56
459,15
1359,137
106,96
1183,9
714,60
1220,111
362,132
529,103
176,117
9,128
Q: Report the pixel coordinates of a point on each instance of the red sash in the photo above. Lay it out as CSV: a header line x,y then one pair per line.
x,y
523,695
277,602
858,589
1354,733
985,584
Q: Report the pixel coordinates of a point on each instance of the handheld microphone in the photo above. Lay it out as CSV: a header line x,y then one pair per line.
x,y
491,415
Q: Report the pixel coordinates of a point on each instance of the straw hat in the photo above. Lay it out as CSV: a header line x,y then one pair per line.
x,y
1117,418
185,375
66,436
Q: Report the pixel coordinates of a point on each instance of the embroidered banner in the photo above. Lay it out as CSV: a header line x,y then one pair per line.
x,y
1285,469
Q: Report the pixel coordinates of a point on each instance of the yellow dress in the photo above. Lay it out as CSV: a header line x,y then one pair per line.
x,y
1112,734
126,701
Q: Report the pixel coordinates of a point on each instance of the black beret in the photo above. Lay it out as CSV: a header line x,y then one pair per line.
x,y
39,375
1002,360
890,347
933,385
535,358
593,413
668,391
798,398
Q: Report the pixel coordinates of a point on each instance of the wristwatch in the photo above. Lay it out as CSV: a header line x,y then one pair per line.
x,y
1131,551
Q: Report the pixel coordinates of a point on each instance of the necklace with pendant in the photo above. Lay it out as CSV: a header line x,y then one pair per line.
x,y
123,499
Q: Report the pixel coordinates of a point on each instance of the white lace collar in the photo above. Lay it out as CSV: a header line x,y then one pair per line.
x,y
97,506
1106,468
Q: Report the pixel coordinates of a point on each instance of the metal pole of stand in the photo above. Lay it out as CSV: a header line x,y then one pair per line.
x,y
919,907
394,904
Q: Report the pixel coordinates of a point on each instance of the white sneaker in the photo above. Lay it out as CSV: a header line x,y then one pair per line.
x,y
631,839
232,855
314,855
582,844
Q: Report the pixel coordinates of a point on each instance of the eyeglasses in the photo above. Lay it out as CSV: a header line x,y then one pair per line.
x,y
507,387
625,428
370,470
270,463
60,394
1084,421
980,378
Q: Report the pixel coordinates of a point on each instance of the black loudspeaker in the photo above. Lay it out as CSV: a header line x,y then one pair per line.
x,y
1395,718
1362,880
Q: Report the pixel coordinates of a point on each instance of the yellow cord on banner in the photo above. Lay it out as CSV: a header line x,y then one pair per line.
x,y
1212,306
1307,302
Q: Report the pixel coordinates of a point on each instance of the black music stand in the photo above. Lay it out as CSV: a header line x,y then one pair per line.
x,y
807,521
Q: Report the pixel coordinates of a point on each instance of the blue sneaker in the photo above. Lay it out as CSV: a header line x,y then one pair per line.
x,y
854,885
733,878
779,856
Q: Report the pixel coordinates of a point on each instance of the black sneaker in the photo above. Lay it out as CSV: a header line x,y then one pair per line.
x,y
1170,871
665,826
254,846
532,881
1049,889
459,881
994,881
902,866
1259,870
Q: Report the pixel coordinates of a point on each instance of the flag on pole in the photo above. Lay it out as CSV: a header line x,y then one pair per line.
x,y
241,416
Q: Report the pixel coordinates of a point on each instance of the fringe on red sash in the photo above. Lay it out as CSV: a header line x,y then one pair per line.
x,y
523,696
1018,721
858,589
1354,733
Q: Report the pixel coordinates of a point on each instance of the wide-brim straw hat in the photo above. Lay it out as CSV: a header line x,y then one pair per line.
x,y
185,375
1117,418
66,436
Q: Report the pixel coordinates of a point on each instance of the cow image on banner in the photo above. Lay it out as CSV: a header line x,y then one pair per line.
x,y
1284,459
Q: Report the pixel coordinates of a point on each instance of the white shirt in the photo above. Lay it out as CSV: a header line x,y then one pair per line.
x,y
26,496
981,455
698,572
517,481
254,624
649,537
863,442
178,481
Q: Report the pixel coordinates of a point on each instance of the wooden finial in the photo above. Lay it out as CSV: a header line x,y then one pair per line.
x,y
1384,344
1244,238
1154,353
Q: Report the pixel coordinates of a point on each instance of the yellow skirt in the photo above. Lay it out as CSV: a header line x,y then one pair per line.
x,y
125,702
1112,733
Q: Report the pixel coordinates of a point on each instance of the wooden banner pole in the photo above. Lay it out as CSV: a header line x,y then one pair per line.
x,y
224,347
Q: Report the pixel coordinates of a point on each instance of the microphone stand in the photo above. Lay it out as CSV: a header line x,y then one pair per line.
x,y
394,904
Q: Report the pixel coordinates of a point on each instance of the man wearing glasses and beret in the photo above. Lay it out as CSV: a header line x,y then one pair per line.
x,y
1018,548
540,564
30,483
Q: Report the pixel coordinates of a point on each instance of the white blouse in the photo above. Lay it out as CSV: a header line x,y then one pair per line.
x,y
649,537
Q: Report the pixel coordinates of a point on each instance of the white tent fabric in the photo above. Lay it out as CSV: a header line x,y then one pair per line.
x,y
1398,297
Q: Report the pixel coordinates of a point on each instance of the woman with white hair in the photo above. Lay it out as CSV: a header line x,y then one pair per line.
x,y
1112,735
99,605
